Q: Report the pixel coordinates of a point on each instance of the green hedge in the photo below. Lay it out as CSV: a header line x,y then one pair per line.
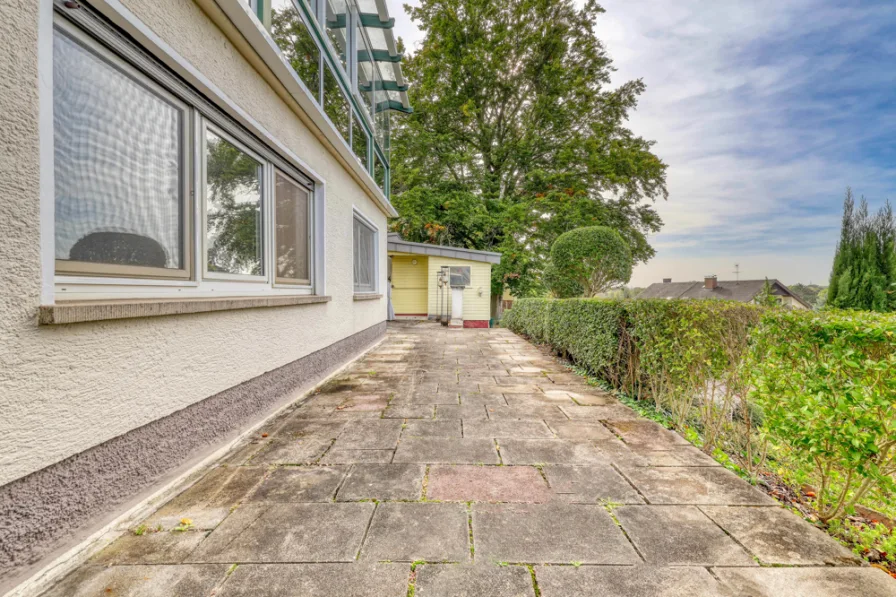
x,y
819,389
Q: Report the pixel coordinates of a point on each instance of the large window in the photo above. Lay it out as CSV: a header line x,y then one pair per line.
x,y
364,256
335,103
119,167
292,230
125,175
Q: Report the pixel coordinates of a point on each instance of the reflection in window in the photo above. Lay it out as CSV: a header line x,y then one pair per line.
x,y
295,41
335,104
379,173
118,156
364,257
233,209
359,140
291,221
336,28
460,276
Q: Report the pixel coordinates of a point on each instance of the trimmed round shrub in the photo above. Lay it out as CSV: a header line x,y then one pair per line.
x,y
587,261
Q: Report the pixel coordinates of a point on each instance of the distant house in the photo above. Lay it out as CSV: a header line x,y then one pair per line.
x,y
744,291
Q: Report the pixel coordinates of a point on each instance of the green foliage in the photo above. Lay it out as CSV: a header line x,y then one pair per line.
x,y
766,296
827,387
864,272
865,538
514,112
588,261
808,292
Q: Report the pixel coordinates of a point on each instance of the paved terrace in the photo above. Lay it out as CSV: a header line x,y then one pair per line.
x,y
468,463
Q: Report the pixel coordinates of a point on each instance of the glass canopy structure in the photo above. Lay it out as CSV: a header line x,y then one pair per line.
x,y
345,54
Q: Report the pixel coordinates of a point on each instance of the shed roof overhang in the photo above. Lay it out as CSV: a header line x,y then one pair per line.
x,y
397,244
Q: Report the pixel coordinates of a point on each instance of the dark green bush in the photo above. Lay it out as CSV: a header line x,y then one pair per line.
x,y
588,261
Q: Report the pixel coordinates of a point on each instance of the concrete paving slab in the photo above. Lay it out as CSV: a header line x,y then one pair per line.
x,y
448,411
680,536
447,580
406,532
694,485
682,456
165,547
549,533
440,450
336,456
506,429
533,412
471,483
379,434
627,581
419,411
777,536
442,428
647,434
615,412
300,484
317,580
300,428
580,432
479,399
590,484
288,533
549,451
140,581
383,482
808,582
548,398
210,499
295,451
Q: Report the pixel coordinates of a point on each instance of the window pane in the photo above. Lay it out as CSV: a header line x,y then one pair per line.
x,y
364,255
291,221
460,275
359,141
379,173
233,204
117,165
335,104
336,28
295,41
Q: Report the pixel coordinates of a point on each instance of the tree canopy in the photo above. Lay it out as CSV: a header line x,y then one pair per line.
x,y
588,261
517,135
864,272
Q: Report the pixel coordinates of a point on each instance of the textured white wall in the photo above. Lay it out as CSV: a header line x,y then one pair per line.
x,y
65,389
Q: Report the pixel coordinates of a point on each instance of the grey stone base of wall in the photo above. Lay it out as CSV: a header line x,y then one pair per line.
x,y
41,511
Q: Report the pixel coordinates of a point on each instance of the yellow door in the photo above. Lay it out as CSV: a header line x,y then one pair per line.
x,y
409,285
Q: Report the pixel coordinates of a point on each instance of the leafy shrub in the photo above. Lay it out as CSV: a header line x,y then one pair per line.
x,y
818,389
827,386
587,261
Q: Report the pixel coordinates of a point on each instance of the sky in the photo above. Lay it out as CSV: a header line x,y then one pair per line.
x,y
765,111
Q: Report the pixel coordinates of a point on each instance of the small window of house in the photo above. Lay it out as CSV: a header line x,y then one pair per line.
x,y
292,218
364,256
460,276
119,168
233,202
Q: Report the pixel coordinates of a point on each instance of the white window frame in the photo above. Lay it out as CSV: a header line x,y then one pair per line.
x,y
359,215
203,110
450,273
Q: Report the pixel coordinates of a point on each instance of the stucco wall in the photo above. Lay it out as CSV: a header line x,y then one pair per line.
x,y
65,389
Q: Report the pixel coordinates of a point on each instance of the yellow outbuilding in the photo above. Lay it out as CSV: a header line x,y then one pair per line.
x,y
438,282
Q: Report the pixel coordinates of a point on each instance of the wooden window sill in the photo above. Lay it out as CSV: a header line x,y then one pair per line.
x,y
83,311
363,296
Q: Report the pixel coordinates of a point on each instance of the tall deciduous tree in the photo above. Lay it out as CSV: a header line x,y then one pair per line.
x,y
517,135
864,271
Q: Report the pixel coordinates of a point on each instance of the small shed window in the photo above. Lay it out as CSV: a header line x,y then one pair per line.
x,y
460,276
